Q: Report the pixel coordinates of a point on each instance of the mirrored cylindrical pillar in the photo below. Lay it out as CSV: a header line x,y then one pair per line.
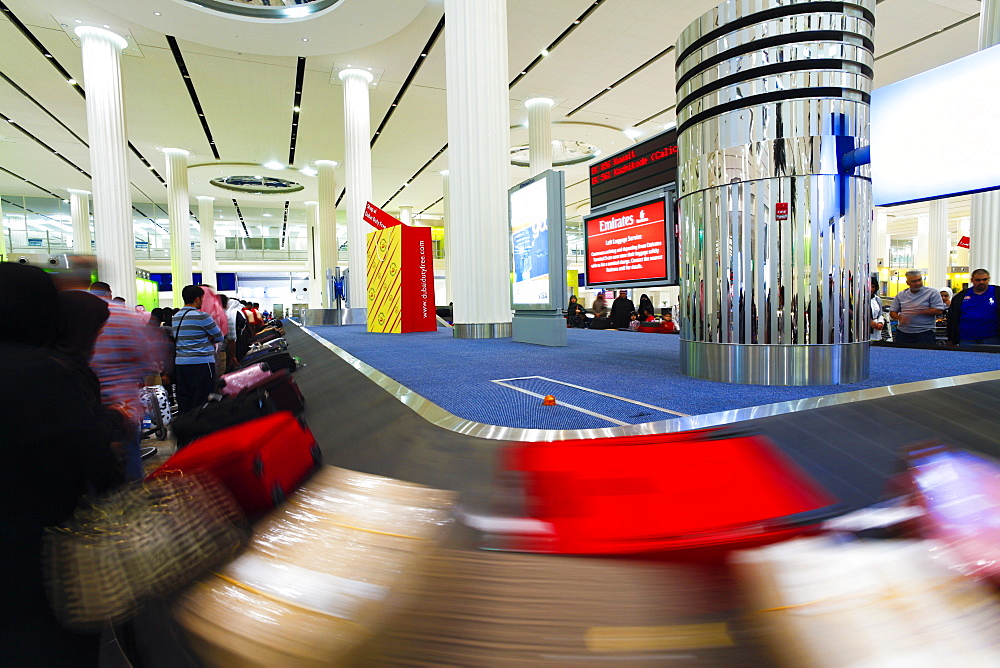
x,y
774,233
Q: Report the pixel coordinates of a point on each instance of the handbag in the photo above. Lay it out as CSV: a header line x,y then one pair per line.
x,y
146,540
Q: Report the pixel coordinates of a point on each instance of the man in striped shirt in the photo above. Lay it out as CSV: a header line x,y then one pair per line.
x,y
196,335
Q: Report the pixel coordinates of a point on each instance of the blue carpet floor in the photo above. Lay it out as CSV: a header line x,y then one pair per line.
x,y
456,374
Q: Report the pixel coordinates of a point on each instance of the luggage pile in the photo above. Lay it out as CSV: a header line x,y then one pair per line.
x,y
320,575
262,385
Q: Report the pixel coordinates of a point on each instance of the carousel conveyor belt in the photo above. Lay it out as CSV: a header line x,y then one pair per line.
x,y
850,448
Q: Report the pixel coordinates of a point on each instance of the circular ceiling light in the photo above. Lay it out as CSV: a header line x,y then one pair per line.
x,y
564,152
253,10
257,185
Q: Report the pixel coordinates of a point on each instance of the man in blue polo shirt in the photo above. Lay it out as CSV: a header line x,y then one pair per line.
x,y
974,316
196,335
916,309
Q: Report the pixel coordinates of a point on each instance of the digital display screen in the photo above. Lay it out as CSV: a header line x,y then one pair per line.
x,y
629,246
954,105
648,164
529,232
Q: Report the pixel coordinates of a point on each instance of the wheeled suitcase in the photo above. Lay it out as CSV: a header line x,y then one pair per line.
x,y
267,334
238,381
216,415
275,360
282,392
261,461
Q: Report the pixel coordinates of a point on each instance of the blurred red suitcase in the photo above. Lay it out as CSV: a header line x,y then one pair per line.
x,y
717,489
261,461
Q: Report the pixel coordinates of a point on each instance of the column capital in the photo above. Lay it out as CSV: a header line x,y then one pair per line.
x,y
201,198
355,73
175,151
74,191
539,101
93,32
331,163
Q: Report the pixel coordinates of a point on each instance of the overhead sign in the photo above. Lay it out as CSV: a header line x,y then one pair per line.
x,y
935,134
378,218
646,165
630,247
963,242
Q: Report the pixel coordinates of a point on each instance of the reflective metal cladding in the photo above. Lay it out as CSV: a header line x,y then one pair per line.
x,y
774,231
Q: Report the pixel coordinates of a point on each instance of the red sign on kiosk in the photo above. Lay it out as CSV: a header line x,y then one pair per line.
x,y
781,210
627,245
378,218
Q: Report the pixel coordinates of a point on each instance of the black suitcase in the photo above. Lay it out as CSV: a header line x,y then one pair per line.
x,y
282,392
216,415
275,360
267,335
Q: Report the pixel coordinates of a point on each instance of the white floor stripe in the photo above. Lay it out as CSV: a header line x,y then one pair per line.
x,y
503,381
564,404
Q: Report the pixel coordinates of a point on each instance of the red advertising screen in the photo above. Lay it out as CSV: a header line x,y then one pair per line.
x,y
628,246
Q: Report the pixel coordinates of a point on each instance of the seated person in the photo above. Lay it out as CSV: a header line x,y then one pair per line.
x,y
575,313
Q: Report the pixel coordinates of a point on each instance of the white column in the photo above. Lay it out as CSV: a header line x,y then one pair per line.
x,y
4,246
317,276
358,165
937,246
984,233
880,242
79,213
479,159
326,225
178,209
206,217
101,51
539,134
447,238
406,215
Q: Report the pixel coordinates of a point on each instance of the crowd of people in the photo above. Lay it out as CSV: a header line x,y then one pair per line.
x,y
622,314
72,364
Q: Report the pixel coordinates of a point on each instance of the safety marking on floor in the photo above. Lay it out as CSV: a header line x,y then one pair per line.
x,y
506,383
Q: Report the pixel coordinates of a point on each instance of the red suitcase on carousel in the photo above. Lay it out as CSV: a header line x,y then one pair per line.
x,y
261,461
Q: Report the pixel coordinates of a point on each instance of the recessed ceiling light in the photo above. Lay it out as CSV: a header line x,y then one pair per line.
x,y
71,82
108,27
79,21
545,52
296,109
273,164
305,39
267,215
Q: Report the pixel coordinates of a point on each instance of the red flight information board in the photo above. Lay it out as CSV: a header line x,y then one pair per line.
x,y
629,246
648,164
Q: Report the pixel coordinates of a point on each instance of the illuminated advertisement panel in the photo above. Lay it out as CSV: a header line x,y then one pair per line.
x,y
538,265
630,246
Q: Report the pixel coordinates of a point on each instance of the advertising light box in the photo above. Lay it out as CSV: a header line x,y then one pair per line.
x,y
538,256
633,246
936,134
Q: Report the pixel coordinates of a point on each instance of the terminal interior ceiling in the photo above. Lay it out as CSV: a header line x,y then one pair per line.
x,y
608,65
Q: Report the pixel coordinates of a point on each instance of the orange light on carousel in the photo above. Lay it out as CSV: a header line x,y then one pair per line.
x,y
549,400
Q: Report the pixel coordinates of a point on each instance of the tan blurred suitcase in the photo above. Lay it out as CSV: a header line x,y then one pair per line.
x,y
505,609
320,574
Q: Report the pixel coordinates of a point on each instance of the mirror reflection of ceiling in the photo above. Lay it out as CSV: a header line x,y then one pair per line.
x,y
257,185
266,9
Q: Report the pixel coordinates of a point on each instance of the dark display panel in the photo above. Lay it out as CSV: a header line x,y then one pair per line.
x,y
646,165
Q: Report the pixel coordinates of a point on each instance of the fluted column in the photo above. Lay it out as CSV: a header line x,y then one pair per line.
x,y
479,159
406,215
115,240
984,232
206,218
938,246
178,210
79,213
539,134
358,166
326,226
317,276
880,242
447,239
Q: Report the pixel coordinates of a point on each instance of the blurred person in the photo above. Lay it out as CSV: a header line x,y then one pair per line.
x,y
600,309
974,316
633,321
260,318
669,324
876,320
195,334
916,310
155,317
645,304
124,355
120,300
51,449
237,325
575,313
212,305
253,319
621,308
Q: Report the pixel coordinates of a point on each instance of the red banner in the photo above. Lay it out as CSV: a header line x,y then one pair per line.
x,y
378,218
963,242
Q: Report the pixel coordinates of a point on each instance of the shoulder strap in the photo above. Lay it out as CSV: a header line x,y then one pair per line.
x,y
178,334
